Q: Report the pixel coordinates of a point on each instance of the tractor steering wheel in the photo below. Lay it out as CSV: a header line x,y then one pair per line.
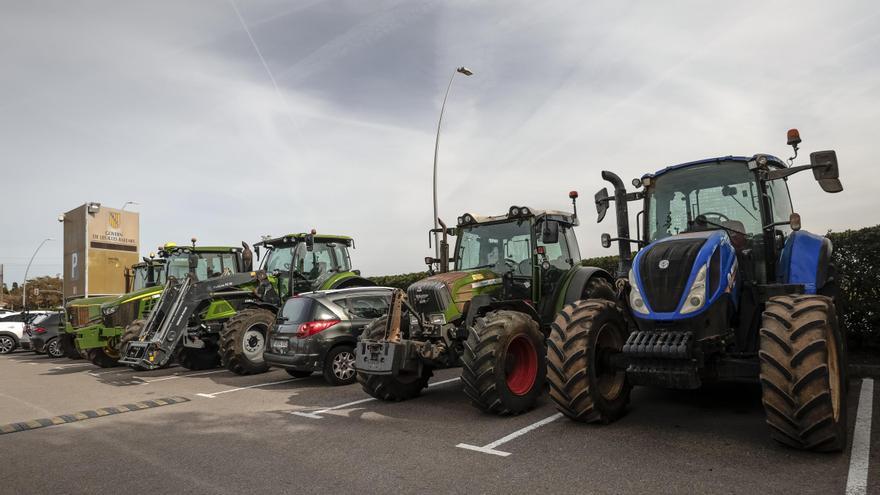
x,y
721,217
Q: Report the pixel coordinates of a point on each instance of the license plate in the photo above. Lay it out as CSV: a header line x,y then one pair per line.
x,y
280,345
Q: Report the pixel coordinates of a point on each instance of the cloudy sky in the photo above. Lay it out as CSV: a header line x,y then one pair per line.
x,y
229,120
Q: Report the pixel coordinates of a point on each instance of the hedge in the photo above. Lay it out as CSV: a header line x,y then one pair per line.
x,y
856,255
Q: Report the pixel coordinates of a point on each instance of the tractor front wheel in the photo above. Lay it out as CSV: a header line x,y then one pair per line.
x,y
504,364
803,372
583,383
243,340
100,357
68,346
404,386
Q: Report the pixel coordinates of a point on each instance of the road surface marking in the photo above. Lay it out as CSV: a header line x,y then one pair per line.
x,y
316,414
70,366
84,415
857,479
489,448
215,394
177,375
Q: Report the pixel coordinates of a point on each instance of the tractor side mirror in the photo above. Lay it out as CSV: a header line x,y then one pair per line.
x,y
602,203
794,220
825,170
310,243
550,232
247,257
193,259
606,240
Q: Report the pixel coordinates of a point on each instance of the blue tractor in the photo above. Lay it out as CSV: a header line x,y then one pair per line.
x,y
725,286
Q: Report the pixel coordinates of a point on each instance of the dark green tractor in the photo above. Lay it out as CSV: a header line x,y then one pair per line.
x,y
490,315
211,321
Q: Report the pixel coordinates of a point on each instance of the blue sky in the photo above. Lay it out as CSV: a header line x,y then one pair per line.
x,y
170,104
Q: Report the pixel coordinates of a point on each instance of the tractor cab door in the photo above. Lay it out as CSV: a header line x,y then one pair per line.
x,y
557,260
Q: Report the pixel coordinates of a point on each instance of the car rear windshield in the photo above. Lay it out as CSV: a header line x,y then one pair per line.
x,y
303,309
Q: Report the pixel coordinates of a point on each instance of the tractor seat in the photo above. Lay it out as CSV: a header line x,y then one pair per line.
x,y
738,239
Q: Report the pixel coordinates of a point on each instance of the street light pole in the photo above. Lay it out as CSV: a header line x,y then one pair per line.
x,y
26,270
467,72
128,203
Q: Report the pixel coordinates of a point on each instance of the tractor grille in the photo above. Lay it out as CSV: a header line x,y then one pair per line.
x,y
663,288
429,296
78,316
125,314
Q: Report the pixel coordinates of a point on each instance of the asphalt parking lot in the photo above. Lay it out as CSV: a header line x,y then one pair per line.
x,y
223,433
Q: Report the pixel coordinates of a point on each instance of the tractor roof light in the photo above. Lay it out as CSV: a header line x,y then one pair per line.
x,y
794,137
573,195
513,212
524,211
466,219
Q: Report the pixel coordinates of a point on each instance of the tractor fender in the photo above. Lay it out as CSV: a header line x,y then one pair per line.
x,y
482,304
348,279
573,289
805,260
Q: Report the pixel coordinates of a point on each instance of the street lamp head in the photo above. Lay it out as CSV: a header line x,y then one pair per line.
x,y
465,71
61,217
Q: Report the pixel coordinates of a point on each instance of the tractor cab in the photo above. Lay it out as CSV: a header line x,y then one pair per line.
x,y
149,273
308,261
204,262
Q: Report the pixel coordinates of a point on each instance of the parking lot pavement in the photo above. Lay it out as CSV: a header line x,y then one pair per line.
x,y
272,433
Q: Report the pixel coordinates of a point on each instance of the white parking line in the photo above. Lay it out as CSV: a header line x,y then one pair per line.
x,y
316,414
215,394
857,479
177,375
489,448
113,370
70,366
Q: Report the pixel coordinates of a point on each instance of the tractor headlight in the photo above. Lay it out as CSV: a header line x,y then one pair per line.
x,y
696,296
109,311
438,319
636,301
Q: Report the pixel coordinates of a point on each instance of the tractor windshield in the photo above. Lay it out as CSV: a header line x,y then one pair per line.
x,y
500,246
210,264
325,257
140,276
711,196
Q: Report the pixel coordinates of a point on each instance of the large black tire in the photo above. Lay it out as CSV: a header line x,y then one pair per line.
x,y
803,373
388,387
583,385
100,357
68,346
243,340
504,364
198,359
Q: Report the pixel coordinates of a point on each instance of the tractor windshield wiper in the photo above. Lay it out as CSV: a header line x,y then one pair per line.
x,y
744,208
702,219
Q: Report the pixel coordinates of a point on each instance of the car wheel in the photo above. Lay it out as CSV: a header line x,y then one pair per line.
x,y
7,344
53,348
339,366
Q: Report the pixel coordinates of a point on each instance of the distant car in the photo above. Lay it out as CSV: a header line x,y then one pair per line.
x,y
43,332
12,334
318,331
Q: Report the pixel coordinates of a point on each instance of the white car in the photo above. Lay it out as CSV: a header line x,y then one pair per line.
x,y
12,335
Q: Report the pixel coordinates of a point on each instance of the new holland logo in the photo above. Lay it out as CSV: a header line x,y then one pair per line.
x,y
664,264
115,219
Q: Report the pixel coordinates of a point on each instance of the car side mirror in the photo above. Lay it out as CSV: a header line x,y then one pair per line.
x,y
601,203
825,170
550,232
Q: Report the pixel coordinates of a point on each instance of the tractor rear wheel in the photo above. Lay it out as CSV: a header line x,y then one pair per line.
x,y
68,345
583,384
504,364
100,357
803,372
198,359
404,386
243,340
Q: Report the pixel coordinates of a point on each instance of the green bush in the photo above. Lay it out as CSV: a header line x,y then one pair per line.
x,y
857,256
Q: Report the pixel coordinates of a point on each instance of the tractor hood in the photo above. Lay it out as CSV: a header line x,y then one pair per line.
x,y
448,293
681,276
136,295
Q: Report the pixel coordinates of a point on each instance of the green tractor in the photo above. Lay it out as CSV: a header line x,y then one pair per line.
x,y
84,313
725,287
207,322
101,341
491,315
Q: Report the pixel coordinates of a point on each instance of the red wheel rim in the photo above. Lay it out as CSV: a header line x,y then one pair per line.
x,y
522,365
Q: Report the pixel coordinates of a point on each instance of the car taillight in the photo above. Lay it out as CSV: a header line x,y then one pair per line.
x,y
39,330
310,328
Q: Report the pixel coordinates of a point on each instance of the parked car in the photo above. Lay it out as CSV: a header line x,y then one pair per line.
x,y
318,331
43,332
12,335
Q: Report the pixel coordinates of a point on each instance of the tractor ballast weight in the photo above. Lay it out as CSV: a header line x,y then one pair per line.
x,y
726,288
490,315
